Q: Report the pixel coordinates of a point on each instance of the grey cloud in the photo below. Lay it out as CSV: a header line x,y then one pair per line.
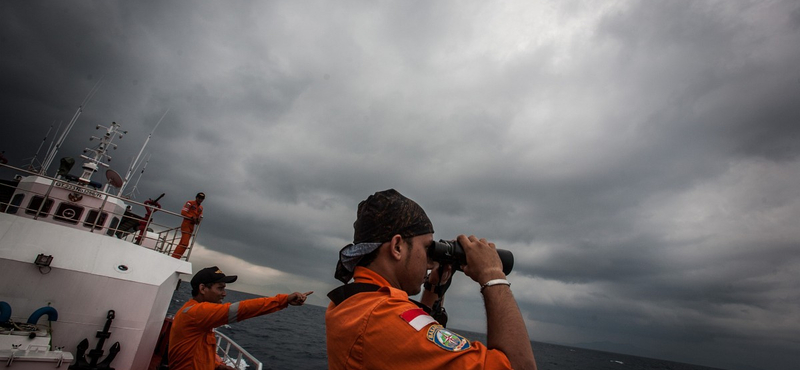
x,y
645,151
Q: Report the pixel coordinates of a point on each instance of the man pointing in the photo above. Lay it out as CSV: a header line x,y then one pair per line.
x,y
192,340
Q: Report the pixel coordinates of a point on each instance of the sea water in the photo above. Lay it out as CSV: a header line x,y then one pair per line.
x,y
294,338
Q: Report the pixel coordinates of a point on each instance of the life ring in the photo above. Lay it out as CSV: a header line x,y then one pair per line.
x,y
52,314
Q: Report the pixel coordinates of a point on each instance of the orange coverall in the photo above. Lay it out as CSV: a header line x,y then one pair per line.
x,y
192,343
384,330
191,212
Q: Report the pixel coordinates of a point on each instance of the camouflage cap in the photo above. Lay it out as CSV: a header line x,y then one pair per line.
x,y
380,217
387,213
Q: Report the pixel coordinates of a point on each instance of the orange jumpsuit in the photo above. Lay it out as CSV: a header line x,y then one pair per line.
x,y
384,330
191,212
192,343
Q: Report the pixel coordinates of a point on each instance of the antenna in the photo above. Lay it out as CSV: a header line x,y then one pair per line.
x,y
100,153
32,165
52,153
136,162
132,193
53,141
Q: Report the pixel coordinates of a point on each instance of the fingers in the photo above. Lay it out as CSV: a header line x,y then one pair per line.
x,y
483,262
440,274
298,299
447,273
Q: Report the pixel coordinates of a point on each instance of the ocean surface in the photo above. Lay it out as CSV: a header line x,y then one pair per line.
x,y
294,338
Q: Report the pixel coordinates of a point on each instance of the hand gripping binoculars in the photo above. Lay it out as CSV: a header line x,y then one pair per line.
x,y
450,252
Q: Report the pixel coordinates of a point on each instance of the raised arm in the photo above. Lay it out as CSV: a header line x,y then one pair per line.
x,y
506,329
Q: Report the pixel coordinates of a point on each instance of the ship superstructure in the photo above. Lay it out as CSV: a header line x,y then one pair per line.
x,y
79,266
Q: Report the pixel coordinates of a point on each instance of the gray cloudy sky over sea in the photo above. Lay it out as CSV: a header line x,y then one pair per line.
x,y
641,159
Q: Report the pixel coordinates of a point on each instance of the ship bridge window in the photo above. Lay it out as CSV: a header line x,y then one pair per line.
x,y
70,213
13,207
113,226
92,217
36,202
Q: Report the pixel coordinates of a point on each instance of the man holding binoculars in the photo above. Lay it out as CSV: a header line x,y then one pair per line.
x,y
372,324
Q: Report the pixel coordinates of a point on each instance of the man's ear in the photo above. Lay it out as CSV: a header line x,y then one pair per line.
x,y
396,247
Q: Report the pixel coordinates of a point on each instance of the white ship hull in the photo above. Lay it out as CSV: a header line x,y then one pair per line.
x,y
90,274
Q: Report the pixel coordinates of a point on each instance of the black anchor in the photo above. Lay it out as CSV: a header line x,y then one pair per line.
x,y
95,354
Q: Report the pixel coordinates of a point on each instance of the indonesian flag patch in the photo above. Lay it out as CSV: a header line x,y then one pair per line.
x,y
417,318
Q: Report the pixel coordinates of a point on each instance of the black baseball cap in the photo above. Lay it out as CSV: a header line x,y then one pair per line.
x,y
211,275
201,195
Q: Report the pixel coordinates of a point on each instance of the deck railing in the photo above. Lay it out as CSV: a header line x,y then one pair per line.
x,y
160,232
234,355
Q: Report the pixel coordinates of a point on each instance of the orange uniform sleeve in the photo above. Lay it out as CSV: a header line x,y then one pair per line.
x,y
246,309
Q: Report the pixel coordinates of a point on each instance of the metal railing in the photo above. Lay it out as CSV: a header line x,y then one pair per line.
x,y
159,232
238,356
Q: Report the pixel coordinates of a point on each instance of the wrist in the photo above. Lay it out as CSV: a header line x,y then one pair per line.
x,y
491,274
495,282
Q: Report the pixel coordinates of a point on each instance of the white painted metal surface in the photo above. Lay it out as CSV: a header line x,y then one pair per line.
x,y
90,275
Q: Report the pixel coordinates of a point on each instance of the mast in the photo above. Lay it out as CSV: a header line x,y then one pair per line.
x,y
134,190
135,164
53,151
32,165
99,153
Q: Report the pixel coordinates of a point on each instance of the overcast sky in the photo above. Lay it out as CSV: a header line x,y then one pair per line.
x,y
640,159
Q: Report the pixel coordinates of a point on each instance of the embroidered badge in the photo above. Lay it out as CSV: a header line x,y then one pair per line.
x,y
417,318
446,339
75,197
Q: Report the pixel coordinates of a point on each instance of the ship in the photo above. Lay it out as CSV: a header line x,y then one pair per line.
x,y
87,281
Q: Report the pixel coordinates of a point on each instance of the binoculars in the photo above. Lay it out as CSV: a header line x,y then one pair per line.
x,y
450,252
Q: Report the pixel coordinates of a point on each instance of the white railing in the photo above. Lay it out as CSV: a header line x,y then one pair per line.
x,y
162,229
239,355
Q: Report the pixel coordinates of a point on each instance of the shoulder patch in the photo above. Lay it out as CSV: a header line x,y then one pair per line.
x,y
446,339
417,318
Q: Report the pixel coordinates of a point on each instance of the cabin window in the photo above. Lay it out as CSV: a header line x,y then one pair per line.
x,y
13,207
70,213
114,223
92,217
36,202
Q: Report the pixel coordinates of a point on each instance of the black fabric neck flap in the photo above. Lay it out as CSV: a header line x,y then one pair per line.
x,y
343,292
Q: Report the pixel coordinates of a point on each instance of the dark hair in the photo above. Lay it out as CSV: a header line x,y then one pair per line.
x,y
195,292
367,259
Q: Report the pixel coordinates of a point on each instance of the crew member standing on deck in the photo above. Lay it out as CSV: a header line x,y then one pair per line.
x,y
192,214
372,324
191,339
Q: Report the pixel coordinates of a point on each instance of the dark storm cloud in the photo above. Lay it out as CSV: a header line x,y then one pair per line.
x,y
640,159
